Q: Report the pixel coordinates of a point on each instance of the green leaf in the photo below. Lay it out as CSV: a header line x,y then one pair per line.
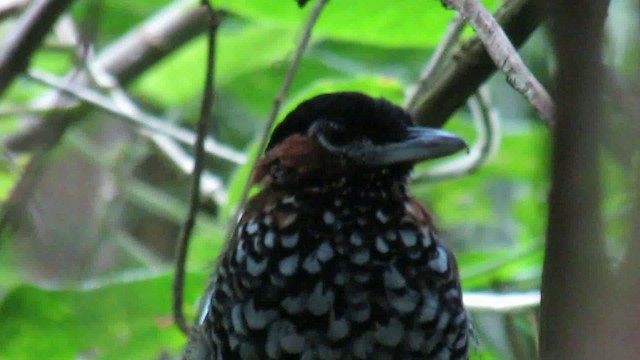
x,y
265,83
400,23
120,319
238,53
115,17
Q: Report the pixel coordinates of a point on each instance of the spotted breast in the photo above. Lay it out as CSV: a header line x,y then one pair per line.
x,y
334,259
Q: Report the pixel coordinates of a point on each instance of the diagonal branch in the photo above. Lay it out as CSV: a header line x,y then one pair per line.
x,y
505,56
182,244
134,115
471,65
125,59
24,40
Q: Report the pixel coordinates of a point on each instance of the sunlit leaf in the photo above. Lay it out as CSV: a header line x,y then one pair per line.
x,y
402,23
120,319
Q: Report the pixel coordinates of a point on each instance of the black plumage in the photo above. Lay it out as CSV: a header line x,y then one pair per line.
x,y
334,259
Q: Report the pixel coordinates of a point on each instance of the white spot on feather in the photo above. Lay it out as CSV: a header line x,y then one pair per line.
x,y
328,218
290,241
252,227
381,245
338,328
408,237
439,263
381,216
288,265
311,264
390,334
360,257
429,307
393,279
406,302
320,300
293,304
237,321
255,268
325,252
257,319
269,239
356,239
292,343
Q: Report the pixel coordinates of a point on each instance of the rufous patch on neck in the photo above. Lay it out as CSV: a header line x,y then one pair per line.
x,y
299,157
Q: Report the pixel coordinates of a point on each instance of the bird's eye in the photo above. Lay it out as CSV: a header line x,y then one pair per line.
x,y
336,134
331,134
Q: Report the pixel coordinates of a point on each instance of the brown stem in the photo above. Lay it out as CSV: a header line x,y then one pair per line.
x,y
205,114
284,89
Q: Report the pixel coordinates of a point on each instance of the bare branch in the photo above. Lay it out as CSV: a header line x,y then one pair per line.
x,y
284,89
211,185
23,41
137,117
125,59
17,110
182,245
471,65
505,56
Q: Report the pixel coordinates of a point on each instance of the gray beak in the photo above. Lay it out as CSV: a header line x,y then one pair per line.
x,y
422,143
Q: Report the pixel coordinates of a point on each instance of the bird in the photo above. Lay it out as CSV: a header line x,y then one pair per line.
x,y
334,258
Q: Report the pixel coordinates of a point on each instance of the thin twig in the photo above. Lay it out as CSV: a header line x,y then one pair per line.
x,y
505,56
300,48
126,58
487,124
440,55
211,185
185,234
23,41
142,119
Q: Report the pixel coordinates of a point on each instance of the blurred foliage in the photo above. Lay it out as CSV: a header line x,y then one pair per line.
x,y
123,318
118,203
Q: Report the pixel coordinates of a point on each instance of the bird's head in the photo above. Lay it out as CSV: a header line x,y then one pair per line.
x,y
347,136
